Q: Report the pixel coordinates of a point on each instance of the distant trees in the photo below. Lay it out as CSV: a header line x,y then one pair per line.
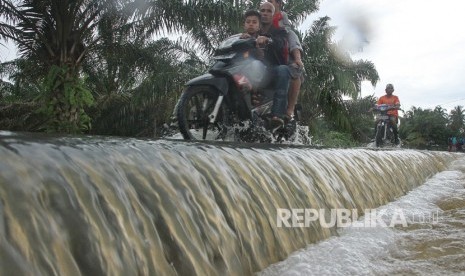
x,y
423,128
457,120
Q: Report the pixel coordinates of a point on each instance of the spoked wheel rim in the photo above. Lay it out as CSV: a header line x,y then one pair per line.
x,y
196,105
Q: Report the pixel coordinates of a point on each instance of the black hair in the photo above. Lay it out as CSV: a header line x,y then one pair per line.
x,y
252,13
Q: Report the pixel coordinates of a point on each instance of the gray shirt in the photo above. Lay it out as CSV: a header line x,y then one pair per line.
x,y
292,38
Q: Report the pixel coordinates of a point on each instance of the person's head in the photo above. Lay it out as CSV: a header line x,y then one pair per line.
x,y
278,4
389,89
266,12
252,22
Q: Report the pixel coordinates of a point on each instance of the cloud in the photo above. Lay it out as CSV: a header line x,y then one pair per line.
x,y
415,44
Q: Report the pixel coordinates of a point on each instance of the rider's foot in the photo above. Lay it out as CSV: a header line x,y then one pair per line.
x,y
289,122
396,141
276,123
288,119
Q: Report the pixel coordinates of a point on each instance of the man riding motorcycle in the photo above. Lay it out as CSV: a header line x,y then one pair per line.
x,y
243,88
277,61
394,102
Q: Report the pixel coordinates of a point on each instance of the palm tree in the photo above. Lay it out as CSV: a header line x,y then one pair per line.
x,y
56,36
136,86
332,76
360,119
422,128
20,81
457,120
207,22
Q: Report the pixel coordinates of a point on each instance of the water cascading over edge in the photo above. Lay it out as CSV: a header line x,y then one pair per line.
x,y
96,206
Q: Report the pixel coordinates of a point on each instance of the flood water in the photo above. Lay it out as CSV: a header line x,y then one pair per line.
x,y
433,242
114,206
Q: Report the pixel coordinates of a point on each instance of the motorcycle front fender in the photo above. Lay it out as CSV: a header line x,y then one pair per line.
x,y
219,83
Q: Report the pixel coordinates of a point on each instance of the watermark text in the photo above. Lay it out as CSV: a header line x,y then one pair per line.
x,y
288,218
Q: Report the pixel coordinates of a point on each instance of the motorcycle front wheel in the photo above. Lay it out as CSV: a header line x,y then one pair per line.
x,y
194,107
379,135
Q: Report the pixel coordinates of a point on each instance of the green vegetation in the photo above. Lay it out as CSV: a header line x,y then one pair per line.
x,y
429,129
103,67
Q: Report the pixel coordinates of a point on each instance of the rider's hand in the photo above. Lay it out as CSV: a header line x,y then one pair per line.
x,y
245,35
262,41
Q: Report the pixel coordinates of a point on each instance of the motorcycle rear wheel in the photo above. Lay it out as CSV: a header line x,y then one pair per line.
x,y
195,104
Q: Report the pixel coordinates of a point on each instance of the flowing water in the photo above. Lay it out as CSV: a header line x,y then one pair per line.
x,y
110,206
432,242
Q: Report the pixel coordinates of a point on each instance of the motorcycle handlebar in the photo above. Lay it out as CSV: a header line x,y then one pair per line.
x,y
389,107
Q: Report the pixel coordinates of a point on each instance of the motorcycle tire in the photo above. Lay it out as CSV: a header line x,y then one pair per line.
x,y
379,136
194,106
390,136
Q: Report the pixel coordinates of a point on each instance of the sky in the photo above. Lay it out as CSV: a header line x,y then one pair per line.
x,y
417,45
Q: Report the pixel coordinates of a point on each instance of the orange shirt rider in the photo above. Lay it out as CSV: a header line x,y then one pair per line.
x,y
390,100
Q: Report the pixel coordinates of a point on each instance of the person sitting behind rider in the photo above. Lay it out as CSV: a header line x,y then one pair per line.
x,y
296,66
276,41
394,102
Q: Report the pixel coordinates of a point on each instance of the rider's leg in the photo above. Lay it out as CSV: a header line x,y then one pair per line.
x,y
294,88
281,79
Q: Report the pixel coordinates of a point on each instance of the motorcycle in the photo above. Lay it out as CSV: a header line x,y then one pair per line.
x,y
233,98
384,128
